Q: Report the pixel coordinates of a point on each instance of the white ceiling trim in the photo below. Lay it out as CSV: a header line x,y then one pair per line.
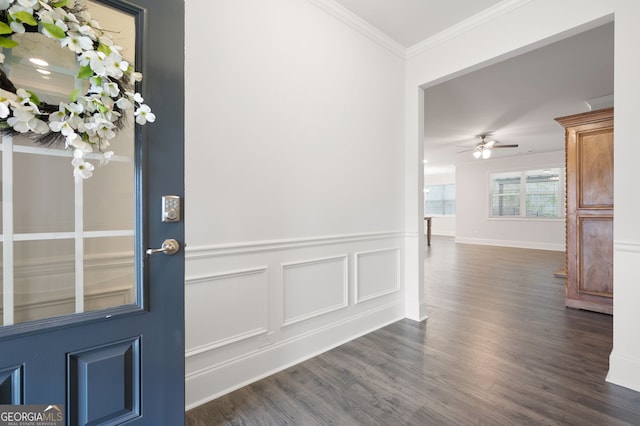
x,y
481,18
345,15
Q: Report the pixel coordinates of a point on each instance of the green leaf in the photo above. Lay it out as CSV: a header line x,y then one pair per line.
x,y
54,30
7,42
34,98
104,49
85,72
61,3
25,17
4,28
73,96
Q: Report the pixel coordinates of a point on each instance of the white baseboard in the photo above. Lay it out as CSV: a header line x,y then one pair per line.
x,y
444,233
624,371
508,243
206,385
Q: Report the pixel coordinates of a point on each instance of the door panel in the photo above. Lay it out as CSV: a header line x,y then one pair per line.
x,y
89,321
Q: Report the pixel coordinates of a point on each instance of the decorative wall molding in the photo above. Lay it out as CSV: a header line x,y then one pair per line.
x,y
251,303
200,252
627,246
395,279
468,24
317,279
224,342
246,321
199,279
360,25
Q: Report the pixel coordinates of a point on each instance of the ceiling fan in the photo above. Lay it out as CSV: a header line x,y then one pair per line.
x,y
484,147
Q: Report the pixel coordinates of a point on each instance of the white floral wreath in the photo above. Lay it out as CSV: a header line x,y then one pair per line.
x,y
86,121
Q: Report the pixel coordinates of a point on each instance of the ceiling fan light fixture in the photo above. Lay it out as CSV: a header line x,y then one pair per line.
x,y
486,153
477,154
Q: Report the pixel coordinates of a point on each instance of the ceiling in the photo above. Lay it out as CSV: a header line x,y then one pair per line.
x,y
411,21
516,100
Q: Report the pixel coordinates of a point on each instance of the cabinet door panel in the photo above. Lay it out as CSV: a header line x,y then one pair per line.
x,y
595,151
596,256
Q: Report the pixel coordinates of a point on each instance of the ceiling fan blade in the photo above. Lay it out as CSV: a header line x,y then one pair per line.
x,y
505,146
466,150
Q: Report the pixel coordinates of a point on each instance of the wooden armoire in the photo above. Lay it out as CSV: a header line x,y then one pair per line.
x,y
589,201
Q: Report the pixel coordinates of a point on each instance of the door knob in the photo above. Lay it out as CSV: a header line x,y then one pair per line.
x,y
169,247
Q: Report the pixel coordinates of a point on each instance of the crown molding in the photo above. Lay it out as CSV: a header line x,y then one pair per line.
x,y
360,25
468,24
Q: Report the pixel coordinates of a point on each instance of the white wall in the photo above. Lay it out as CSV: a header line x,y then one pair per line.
x,y
523,26
294,188
473,223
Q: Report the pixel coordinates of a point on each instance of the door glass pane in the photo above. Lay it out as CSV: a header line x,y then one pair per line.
x,y
43,193
44,279
108,272
67,247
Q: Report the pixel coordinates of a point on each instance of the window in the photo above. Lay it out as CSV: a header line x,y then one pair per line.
x,y
440,200
530,193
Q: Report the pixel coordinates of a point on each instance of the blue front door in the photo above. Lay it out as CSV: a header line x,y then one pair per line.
x,y
91,323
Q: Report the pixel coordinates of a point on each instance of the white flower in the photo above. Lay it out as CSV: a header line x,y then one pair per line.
x,y
5,4
101,127
113,64
77,43
74,108
137,97
135,77
124,103
84,58
20,120
59,115
28,3
46,6
76,122
81,169
80,146
24,97
85,30
24,120
106,157
17,27
62,127
72,18
4,108
97,63
144,114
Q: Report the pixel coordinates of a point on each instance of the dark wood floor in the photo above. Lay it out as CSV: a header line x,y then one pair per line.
x,y
499,348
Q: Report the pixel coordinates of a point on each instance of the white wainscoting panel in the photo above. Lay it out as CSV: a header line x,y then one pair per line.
x,y
377,273
314,287
256,307
224,308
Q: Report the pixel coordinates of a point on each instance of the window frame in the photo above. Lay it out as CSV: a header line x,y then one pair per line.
x,y
443,200
523,194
